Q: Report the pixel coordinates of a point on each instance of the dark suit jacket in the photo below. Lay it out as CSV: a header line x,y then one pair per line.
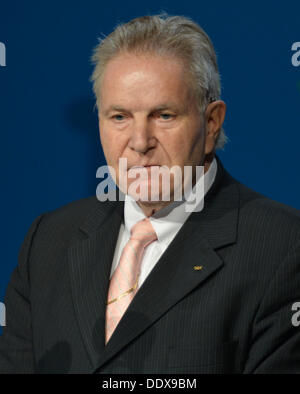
x,y
232,316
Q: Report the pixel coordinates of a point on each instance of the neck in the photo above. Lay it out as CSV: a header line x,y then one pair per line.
x,y
149,208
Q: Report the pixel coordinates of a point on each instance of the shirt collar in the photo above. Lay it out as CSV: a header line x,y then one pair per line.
x,y
168,220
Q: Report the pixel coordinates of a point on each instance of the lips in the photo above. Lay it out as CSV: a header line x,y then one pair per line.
x,y
144,166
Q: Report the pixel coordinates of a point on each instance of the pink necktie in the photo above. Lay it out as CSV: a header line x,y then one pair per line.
x,y
124,282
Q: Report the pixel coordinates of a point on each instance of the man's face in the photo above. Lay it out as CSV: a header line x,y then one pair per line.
x,y
148,114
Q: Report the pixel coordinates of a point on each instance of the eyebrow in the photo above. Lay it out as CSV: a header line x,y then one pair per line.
x,y
114,108
160,107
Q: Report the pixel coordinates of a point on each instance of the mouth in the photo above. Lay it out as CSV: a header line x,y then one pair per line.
x,y
145,166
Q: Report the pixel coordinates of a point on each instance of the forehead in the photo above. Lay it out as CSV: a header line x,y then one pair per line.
x,y
130,78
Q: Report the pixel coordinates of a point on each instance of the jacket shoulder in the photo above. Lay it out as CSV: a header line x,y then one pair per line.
x,y
64,222
268,215
78,207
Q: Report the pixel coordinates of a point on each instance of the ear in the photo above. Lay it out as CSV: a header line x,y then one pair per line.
x,y
214,118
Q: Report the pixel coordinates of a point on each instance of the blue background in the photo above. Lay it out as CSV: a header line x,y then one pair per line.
x,y
50,148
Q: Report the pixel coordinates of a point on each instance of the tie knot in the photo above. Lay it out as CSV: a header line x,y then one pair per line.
x,y
144,232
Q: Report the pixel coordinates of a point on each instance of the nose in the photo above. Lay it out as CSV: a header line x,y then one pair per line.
x,y
141,137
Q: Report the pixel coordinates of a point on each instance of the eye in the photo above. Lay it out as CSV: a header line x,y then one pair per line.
x,y
166,116
118,117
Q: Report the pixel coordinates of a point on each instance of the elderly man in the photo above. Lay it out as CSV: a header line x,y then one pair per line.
x,y
145,285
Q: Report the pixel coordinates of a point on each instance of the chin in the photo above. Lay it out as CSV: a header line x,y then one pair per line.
x,y
150,192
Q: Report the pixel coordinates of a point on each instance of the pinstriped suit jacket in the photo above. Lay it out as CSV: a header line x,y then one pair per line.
x,y
232,316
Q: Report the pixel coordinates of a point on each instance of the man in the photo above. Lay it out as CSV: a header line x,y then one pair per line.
x,y
145,286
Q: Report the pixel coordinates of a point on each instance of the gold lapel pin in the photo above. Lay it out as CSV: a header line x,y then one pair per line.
x,y
198,267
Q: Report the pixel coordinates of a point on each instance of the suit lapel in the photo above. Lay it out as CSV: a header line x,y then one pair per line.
x,y
89,266
172,278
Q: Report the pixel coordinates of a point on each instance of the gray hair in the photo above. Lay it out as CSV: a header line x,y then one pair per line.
x,y
165,35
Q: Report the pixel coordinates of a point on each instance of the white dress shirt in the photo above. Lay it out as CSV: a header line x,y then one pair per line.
x,y
166,223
